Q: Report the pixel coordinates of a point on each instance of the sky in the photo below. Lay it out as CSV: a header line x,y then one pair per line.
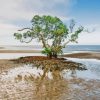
x,y
17,14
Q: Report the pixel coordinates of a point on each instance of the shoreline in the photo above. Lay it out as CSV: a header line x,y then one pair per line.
x,y
81,55
84,55
20,51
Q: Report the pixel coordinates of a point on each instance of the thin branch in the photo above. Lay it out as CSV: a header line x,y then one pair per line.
x,y
27,41
66,43
43,41
72,25
89,31
25,29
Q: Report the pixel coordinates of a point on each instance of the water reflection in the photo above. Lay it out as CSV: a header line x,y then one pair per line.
x,y
45,82
50,84
50,89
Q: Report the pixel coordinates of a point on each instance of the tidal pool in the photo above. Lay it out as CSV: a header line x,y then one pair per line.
x,y
27,82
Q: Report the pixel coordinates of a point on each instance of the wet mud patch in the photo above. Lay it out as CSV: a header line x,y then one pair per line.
x,y
52,64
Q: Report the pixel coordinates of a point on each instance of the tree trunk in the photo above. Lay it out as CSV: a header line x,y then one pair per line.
x,y
43,41
55,55
49,55
52,55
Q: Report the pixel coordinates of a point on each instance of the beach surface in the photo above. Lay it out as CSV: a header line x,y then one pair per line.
x,y
20,51
17,81
86,55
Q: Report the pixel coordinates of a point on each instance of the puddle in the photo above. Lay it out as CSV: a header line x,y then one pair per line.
x,y
22,72
93,68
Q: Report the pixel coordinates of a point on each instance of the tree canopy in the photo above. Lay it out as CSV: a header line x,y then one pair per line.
x,y
52,32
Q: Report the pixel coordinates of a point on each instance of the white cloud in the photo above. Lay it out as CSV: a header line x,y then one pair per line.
x,y
7,28
6,33
25,9
12,11
92,37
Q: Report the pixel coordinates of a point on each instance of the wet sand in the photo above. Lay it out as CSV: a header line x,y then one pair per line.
x,y
90,55
20,51
6,64
1,47
87,55
56,89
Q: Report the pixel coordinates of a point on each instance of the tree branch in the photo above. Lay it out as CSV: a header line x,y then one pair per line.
x,y
43,41
66,43
25,29
27,41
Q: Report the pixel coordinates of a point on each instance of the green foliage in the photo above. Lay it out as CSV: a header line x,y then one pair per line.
x,y
74,36
47,51
18,36
48,28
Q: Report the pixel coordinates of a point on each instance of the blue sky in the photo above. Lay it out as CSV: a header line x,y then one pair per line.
x,y
16,14
88,11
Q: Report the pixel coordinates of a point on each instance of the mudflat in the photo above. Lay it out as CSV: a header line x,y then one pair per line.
x,y
89,55
39,88
20,51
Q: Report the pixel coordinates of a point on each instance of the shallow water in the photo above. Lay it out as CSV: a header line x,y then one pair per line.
x,y
69,48
93,67
29,83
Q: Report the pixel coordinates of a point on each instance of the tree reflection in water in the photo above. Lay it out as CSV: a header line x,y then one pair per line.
x,y
50,80
50,89
53,88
